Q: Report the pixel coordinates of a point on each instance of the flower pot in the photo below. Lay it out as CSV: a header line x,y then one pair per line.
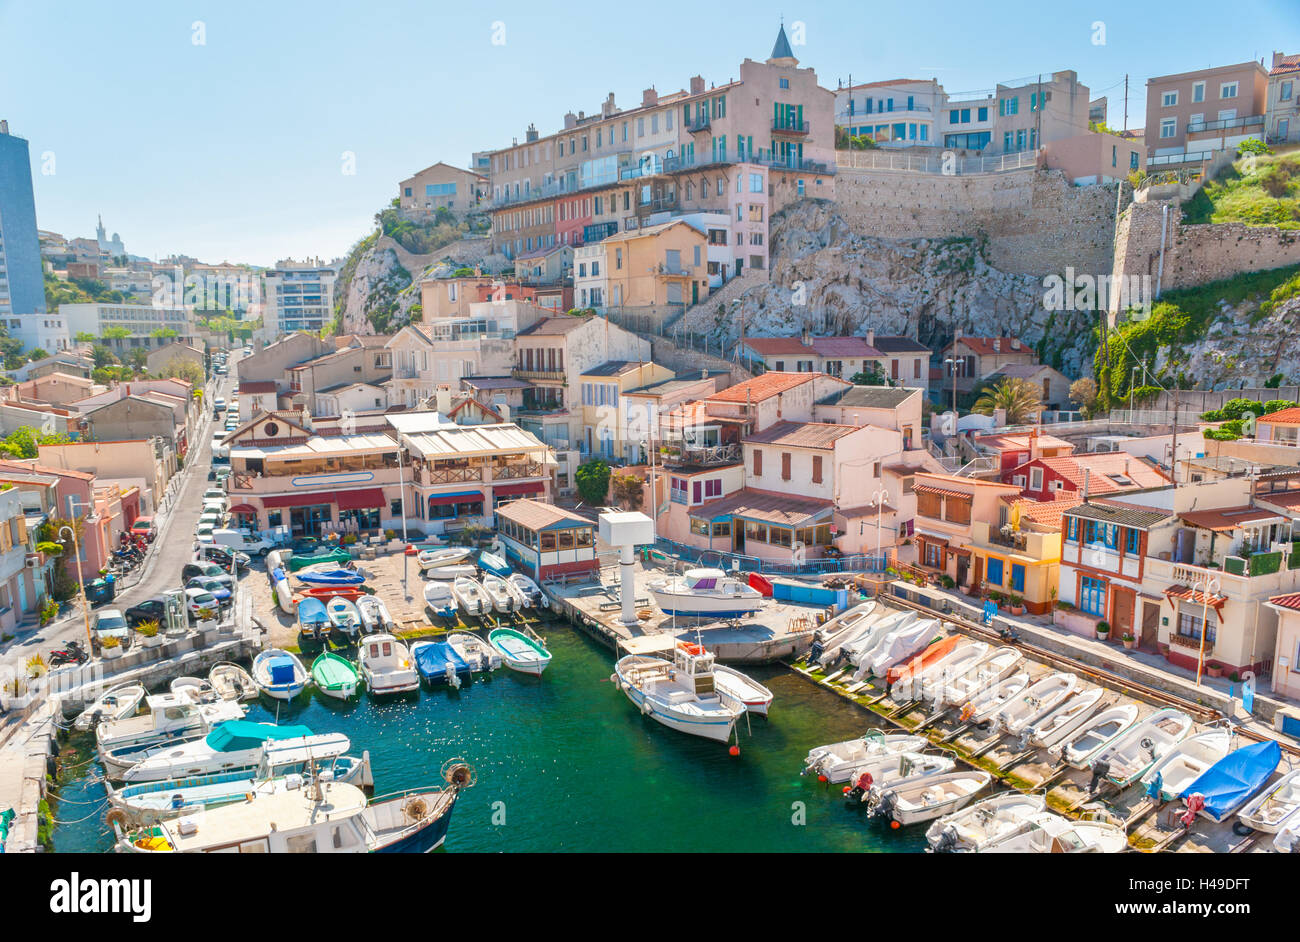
x,y
111,654
1103,635
20,702
1017,610
1214,670
1130,645
152,642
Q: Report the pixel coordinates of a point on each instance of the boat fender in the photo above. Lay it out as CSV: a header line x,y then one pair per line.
x,y
645,706
116,818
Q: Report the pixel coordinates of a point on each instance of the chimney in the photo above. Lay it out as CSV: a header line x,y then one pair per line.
x,y
649,98
697,84
608,107
504,411
997,344
1085,485
871,337
570,121
442,400
582,115
806,337
531,134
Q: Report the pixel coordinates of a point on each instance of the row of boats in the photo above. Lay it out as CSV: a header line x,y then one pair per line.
x,y
477,597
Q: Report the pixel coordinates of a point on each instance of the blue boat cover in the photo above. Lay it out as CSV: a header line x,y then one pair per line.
x,y
281,670
332,577
431,660
311,611
1229,782
277,575
236,735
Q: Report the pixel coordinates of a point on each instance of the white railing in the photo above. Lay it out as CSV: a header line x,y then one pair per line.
x,y
882,159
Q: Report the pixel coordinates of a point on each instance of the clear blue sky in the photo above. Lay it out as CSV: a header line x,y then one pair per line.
x,y
232,150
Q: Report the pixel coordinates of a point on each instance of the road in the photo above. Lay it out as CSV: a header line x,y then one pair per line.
x,y
173,547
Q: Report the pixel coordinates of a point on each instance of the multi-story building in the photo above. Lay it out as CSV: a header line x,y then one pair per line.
x,y
1032,114
981,357
640,409
1019,552
605,431
450,298
1094,157
1095,474
898,360
299,295
895,113
127,327
1191,115
21,596
357,363
1282,104
947,509
441,186
22,278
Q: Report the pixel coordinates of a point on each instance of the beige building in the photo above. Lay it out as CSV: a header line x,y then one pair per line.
x,y
1282,113
441,186
1094,157
1191,115
656,267
605,431
162,358
978,358
146,463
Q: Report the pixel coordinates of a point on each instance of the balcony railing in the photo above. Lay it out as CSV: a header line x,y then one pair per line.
x,y
1183,641
538,376
451,475
698,123
508,472
780,126
1012,540
1226,124
702,455
1193,157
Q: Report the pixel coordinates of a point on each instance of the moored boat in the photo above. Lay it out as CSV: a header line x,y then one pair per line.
x,y
374,614
474,651
335,676
330,575
437,662
528,590
494,563
1039,699
437,595
279,674
313,620
705,593
344,616
1183,764
1094,735
386,665
930,797
1068,716
992,670
171,719
847,625
989,701
756,697
680,694
498,590
1223,788
932,678
978,825
115,703
446,556
451,573
232,682
868,782
1130,754
1046,832
471,597
1275,808
836,761
898,645
234,745
520,651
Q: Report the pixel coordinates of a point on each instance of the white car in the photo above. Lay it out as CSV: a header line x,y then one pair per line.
x,y
198,600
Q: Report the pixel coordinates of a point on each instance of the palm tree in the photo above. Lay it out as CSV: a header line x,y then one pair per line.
x,y
1017,396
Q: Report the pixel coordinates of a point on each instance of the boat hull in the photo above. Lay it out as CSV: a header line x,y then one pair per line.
x,y
426,839
717,730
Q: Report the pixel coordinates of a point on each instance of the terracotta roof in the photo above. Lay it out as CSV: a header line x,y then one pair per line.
x,y
763,387
766,506
256,386
1119,514
801,434
1289,416
1287,65
1289,500
1221,521
843,347
983,346
1196,597
942,491
536,515
1291,600
1017,441
1047,513
773,346
1103,467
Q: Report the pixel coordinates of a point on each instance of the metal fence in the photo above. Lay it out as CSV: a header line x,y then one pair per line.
x,y
719,559
945,165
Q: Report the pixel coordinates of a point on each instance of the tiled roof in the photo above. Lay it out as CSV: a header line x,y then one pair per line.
x,y
1047,513
775,346
1282,417
869,397
763,387
1195,596
1291,600
1103,469
801,434
1286,65
1221,521
1021,370
1119,514
843,347
615,367
256,386
1017,441
1289,500
983,346
785,509
898,345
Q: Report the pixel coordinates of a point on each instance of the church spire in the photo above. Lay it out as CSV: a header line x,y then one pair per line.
x,y
782,48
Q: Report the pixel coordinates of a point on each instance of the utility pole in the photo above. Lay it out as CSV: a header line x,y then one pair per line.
x,y
1125,101
1038,116
1173,450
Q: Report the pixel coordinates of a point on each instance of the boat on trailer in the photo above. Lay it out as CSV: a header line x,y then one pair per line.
x,y
705,593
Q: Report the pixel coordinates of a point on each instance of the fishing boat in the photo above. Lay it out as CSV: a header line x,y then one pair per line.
x,y
451,573
313,620
474,651
446,556
976,826
1095,735
279,674
115,703
494,563
439,663
386,665
989,701
756,697
1183,764
528,590
917,677
437,595
236,745
498,590
374,614
318,817
1222,789
836,762
705,593
1275,808
520,651
930,797
1133,752
326,592
831,637
344,616
335,676
471,597
680,694
330,576
1039,699
231,682
988,672
1046,832
899,644
1048,730
172,718
868,782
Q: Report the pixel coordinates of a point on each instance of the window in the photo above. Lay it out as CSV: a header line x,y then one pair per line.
x,y
1092,596
1190,625
817,469
1035,479
785,83
1133,160
1198,92
1169,99
1228,90
1284,92
758,463
994,571
957,509
1071,529
1168,128
1017,578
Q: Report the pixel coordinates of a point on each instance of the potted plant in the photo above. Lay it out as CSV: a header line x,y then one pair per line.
x,y
150,633
36,667
1017,605
349,539
110,648
1130,642
1103,631
206,616
1214,669
16,693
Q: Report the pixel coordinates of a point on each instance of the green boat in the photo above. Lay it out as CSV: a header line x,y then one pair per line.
x,y
520,652
335,676
329,556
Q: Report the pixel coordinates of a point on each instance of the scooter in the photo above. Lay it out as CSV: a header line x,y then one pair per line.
x,y
74,653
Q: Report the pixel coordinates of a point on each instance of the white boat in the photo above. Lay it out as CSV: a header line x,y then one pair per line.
x,y
756,697
172,718
1142,746
976,826
934,678
863,649
933,796
237,745
1095,735
196,688
494,562
474,651
374,614
830,638
115,703
900,644
681,694
1040,698
232,682
344,616
1048,730
1276,807
991,700
705,593
1184,763
279,674
451,573
999,663
1050,833
387,666
528,590
447,556
520,650
836,761
437,595
471,596
1287,839
498,590
868,782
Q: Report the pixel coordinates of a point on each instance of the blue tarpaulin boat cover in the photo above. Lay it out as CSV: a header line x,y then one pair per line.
x,y
1229,782
431,660
281,670
311,611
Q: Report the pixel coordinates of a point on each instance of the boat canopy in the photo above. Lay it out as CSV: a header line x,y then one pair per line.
x,y
299,752
236,735
311,610
432,658
1235,777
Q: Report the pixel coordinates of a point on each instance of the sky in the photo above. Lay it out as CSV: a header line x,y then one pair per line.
x,y
227,130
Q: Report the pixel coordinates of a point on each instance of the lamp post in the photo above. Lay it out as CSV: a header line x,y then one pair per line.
x,y
955,364
878,498
81,586
401,486
1208,583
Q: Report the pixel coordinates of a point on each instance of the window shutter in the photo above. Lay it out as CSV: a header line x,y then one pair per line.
x,y
758,463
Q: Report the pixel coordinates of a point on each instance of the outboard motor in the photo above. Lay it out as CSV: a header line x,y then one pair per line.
x,y
947,842
1100,769
857,793
815,650
453,679
883,806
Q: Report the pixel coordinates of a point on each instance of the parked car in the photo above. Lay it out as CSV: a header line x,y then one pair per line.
x,y
210,570
153,609
198,600
143,526
220,555
219,404
216,493
218,589
110,623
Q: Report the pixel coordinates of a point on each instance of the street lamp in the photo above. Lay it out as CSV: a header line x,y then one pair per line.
x,y
955,365
81,585
878,498
1208,583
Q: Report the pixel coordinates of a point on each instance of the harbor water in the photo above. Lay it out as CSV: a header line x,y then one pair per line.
x,y
566,763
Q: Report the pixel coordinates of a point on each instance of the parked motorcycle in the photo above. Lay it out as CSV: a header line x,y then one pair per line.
x,y
73,653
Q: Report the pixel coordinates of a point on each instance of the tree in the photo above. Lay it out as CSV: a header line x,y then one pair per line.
x,y
593,481
1017,396
116,333
36,353
23,442
872,377
85,336
101,355
1083,393
178,367
627,489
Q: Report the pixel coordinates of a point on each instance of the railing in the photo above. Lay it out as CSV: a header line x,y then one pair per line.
x,y
704,455
452,475
698,123
1226,124
1009,540
780,126
508,472
866,562
881,159
1184,641
1188,158
545,376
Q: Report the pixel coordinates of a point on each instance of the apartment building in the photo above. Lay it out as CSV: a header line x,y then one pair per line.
x,y
605,430
126,327
1095,474
22,278
947,508
1033,113
1191,115
978,358
640,409
441,186
272,363
1019,552
21,592
450,298
299,295
896,113
1281,111
358,363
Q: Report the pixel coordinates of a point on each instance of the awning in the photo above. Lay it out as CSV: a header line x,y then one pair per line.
x,y
524,487
459,497
299,500
243,509
367,498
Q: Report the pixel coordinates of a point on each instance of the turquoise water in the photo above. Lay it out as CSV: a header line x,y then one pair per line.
x,y
566,763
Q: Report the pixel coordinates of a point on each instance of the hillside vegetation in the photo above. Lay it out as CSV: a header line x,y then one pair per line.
x,y
1258,190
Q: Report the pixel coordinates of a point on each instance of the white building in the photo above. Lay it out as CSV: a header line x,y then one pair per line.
x,y
895,113
300,295
148,327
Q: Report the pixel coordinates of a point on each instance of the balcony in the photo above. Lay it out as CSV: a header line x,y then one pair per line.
x,y
538,376
1011,539
781,126
664,270
1172,160
704,456
699,123
1227,124
1193,644
247,484
508,472
451,475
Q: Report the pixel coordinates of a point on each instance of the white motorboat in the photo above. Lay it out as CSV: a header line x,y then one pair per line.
x,y
681,694
172,718
115,703
1287,839
933,796
474,651
344,616
437,595
237,745
1049,833
976,826
196,688
836,761
844,627
446,556
232,682
1039,699
1185,762
1048,730
900,644
451,573
756,697
1276,807
521,650
934,678
1142,746
528,590
1095,735
279,674
988,702
374,614
387,666
705,593
499,591
471,596
999,663
868,782
863,649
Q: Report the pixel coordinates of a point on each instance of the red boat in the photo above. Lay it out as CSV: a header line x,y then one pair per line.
x,y
352,593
